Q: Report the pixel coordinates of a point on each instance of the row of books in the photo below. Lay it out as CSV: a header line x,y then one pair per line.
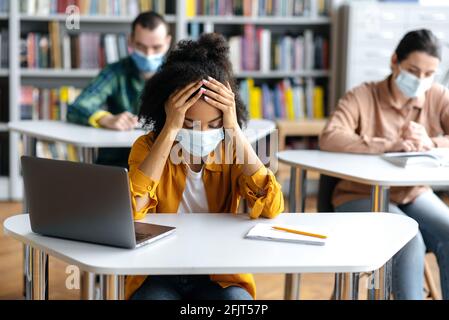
x,y
292,99
4,6
80,51
261,8
56,150
4,154
259,50
93,7
4,48
45,103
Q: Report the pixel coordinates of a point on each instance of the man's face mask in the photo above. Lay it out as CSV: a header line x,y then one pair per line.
x,y
411,86
146,63
199,143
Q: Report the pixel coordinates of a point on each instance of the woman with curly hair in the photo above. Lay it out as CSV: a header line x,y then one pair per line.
x,y
191,104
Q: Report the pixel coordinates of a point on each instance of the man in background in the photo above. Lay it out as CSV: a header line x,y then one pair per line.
x,y
111,100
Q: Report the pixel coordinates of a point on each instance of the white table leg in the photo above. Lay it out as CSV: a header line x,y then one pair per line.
x,y
380,282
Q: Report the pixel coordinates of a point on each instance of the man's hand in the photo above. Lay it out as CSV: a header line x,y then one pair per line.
x,y
125,121
417,134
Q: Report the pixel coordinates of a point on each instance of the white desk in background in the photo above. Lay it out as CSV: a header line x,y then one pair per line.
x,y
366,169
87,140
354,245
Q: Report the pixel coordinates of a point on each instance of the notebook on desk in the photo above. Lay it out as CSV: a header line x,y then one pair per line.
x,y
434,158
263,231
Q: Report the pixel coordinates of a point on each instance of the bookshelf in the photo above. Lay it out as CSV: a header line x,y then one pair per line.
x,y
19,24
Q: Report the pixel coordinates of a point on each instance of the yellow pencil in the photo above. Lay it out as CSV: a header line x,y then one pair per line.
x,y
301,232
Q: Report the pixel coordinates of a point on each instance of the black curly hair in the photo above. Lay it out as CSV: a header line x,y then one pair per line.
x,y
188,62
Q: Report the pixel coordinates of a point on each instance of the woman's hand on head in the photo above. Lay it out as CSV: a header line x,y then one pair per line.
x,y
222,97
178,103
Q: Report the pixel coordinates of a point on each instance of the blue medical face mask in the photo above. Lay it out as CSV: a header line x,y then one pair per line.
x,y
199,143
412,86
146,63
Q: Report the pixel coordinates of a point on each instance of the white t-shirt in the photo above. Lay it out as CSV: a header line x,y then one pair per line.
x,y
194,198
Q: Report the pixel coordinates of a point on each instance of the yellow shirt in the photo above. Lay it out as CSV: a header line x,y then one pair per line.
x,y
225,184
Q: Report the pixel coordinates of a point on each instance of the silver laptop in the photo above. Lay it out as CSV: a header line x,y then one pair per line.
x,y
84,202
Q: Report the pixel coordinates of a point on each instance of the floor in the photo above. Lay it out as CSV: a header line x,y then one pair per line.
x,y
269,286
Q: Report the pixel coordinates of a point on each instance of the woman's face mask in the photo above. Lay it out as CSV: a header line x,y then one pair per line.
x,y
199,143
146,63
412,86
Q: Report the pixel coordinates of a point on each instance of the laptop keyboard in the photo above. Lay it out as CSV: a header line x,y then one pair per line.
x,y
142,236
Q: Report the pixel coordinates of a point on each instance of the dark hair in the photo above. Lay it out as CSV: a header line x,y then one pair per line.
x,y
188,62
418,40
149,20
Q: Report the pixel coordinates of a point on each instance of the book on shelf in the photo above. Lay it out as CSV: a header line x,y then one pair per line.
x,y
257,8
45,103
87,50
438,157
260,50
92,7
4,48
292,99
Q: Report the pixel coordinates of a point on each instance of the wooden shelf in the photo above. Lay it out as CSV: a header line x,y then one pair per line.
x,y
295,20
87,18
301,127
59,73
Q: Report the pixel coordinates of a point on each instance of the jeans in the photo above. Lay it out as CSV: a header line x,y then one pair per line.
x,y
432,215
188,287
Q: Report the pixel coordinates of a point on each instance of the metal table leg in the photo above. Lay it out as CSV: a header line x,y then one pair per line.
x,y
90,284
346,286
42,275
113,287
293,281
29,145
28,270
87,286
380,281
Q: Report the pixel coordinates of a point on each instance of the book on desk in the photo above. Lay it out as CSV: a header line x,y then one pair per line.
x,y
438,157
303,234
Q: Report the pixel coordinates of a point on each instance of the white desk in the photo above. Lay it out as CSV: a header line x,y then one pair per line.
x,y
354,245
87,140
365,169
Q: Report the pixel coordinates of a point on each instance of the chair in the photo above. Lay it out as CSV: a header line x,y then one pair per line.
x,y
326,187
